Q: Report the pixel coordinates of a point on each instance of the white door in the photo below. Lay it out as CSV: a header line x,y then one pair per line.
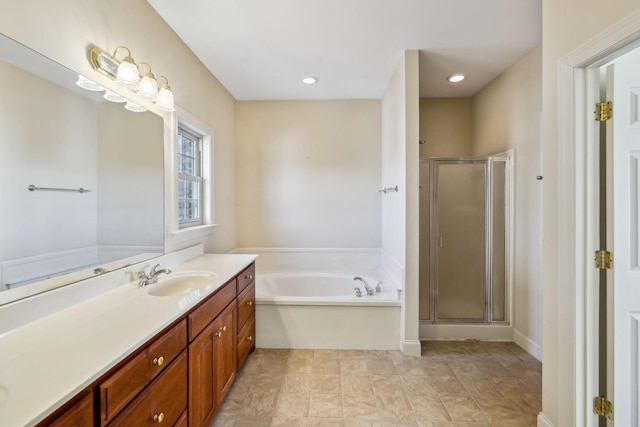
x,y
623,134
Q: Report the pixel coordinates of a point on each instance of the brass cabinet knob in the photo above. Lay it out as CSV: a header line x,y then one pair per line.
x,y
158,361
218,334
249,276
224,328
250,338
250,303
158,418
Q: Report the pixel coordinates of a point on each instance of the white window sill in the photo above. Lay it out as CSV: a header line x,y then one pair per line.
x,y
191,233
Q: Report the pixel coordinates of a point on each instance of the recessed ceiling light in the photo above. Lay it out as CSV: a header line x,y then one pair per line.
x,y
455,78
309,80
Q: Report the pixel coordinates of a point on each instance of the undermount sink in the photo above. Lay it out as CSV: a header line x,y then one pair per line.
x,y
181,283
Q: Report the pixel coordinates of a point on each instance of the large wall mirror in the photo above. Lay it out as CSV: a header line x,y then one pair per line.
x,y
59,138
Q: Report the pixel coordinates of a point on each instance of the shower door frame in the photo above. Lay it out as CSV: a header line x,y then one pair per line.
x,y
488,241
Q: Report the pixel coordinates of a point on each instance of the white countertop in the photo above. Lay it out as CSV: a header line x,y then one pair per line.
x,y
45,362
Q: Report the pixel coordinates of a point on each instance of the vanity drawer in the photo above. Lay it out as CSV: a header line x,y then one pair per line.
x,y
246,277
203,315
131,378
163,402
246,304
246,340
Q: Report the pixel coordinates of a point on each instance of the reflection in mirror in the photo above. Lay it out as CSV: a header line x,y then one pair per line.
x,y
55,135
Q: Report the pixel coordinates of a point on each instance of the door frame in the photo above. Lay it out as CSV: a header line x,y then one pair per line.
x,y
577,217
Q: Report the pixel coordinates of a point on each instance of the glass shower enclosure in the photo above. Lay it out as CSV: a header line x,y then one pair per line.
x,y
463,240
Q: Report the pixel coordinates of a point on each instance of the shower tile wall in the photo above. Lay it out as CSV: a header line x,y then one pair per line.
x,y
467,383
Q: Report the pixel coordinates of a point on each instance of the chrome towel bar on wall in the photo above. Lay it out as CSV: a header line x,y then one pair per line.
x,y
78,190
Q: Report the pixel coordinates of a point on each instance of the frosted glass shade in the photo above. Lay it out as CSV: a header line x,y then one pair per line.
x,y
87,84
132,106
164,100
128,75
113,97
148,88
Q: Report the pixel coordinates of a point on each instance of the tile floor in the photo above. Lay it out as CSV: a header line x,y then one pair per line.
x,y
454,383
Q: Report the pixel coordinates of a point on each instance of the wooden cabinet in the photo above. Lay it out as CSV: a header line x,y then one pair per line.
x,y
122,386
80,414
163,402
226,366
246,314
212,354
181,376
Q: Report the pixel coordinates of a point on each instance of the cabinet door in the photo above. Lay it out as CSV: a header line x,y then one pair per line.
x,y
225,334
202,403
79,415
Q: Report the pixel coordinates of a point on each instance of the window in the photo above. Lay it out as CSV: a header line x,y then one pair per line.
x,y
190,177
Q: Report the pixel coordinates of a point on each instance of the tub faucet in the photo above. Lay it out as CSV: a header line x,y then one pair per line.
x,y
368,288
152,277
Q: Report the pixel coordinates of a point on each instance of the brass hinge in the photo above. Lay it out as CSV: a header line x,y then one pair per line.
x,y
604,260
602,407
603,111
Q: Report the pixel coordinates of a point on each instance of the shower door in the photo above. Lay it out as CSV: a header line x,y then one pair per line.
x,y
463,269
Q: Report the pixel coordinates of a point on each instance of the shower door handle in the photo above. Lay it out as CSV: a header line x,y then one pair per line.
x,y
440,241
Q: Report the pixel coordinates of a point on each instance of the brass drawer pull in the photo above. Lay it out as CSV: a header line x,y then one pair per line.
x,y
218,334
250,303
249,276
158,418
224,328
250,338
158,361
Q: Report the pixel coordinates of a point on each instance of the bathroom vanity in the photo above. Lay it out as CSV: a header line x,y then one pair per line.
x,y
136,356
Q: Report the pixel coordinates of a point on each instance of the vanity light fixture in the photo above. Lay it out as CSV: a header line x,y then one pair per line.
x,y
309,80
455,78
164,98
132,76
148,84
127,74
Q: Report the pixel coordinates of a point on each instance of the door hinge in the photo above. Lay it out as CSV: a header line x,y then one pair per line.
x,y
604,260
603,407
603,111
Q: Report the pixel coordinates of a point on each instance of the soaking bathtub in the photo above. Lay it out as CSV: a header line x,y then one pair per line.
x,y
320,309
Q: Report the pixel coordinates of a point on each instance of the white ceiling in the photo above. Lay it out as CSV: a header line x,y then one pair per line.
x,y
260,49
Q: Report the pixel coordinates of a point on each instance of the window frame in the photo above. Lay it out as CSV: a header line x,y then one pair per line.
x,y
197,136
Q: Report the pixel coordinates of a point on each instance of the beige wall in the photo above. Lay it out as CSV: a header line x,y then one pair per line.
x,y
445,126
64,30
308,174
506,115
567,24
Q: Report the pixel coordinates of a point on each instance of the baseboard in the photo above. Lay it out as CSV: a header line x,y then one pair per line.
x,y
528,344
411,348
543,421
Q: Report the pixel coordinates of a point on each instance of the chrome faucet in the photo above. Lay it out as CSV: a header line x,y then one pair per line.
x,y
152,277
378,288
358,292
368,288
